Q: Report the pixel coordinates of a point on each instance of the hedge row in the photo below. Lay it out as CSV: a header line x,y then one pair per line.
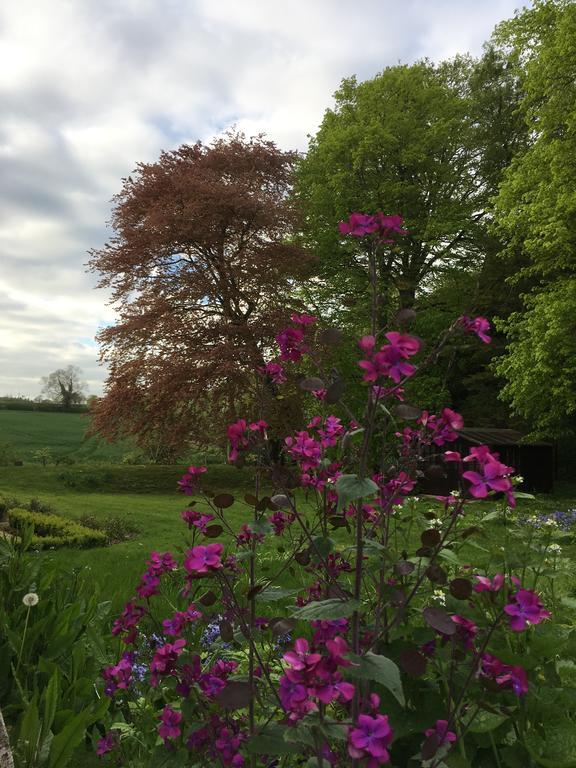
x,y
55,531
152,478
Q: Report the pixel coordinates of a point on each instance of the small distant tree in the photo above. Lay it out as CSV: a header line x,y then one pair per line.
x,y
44,455
65,386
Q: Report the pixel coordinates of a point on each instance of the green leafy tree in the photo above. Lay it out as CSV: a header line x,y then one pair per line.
x,y
430,142
412,141
535,216
536,207
540,367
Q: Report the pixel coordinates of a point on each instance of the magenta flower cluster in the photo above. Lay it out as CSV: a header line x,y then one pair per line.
x,y
304,684
390,360
384,227
311,677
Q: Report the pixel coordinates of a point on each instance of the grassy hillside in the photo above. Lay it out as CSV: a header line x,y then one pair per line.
x,y
63,433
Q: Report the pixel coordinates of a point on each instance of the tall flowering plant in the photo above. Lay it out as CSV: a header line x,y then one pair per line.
x,y
365,640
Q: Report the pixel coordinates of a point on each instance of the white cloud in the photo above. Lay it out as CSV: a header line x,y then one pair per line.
x,y
90,88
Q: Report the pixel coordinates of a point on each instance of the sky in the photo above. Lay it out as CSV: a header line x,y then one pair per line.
x,y
89,88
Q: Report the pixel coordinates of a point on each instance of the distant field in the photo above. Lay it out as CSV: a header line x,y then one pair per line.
x,y
63,433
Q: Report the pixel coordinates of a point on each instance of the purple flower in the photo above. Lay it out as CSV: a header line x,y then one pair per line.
x,y
505,675
165,659
237,437
170,724
370,738
176,624
108,743
362,224
202,559
149,583
189,481
525,610
304,449
485,584
197,519
478,325
300,658
128,622
514,678
275,371
359,225
291,343
494,475
390,360
440,730
304,320
466,631
118,676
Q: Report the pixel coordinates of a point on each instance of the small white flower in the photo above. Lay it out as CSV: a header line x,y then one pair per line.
x,y
455,494
438,596
555,549
30,599
551,523
436,523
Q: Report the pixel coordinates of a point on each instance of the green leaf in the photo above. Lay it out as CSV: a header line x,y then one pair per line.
x,y
261,526
523,495
300,734
326,609
558,750
351,488
271,742
484,722
321,547
381,670
271,594
65,742
162,758
450,557
51,695
30,731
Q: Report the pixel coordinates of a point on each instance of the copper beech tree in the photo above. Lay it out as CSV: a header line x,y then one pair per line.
x,y
200,267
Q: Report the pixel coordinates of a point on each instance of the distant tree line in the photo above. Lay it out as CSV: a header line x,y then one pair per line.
x,y
8,403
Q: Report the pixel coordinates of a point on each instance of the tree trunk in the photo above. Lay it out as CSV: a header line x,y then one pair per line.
x,y
6,760
407,293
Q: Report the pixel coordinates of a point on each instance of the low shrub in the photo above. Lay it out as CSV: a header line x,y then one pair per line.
x,y
34,505
55,531
115,528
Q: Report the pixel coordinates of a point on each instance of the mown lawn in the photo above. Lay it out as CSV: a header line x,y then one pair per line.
x,y
147,498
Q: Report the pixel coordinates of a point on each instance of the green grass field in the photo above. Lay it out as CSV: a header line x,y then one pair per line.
x,y
63,433
145,496
148,498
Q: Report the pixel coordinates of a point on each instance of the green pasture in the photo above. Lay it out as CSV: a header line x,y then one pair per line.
x,y
63,433
147,497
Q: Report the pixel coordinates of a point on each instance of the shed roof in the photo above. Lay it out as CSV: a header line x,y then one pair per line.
x,y
488,435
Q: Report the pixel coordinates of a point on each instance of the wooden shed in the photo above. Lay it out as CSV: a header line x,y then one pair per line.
x,y
536,462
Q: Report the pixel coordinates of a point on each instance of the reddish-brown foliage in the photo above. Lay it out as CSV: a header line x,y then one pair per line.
x,y
200,268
